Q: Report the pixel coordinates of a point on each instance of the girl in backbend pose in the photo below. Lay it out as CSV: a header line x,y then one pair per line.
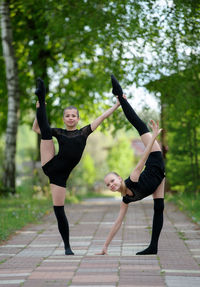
x,y
140,183
71,146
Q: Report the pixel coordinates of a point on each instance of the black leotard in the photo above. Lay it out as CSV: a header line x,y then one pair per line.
x,y
71,147
149,179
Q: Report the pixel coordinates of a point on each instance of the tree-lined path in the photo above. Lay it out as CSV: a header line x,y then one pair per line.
x,y
34,256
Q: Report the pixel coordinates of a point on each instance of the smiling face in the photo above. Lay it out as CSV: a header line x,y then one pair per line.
x,y
113,181
70,118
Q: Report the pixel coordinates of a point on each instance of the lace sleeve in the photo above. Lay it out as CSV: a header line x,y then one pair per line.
x,y
86,131
133,186
137,196
55,132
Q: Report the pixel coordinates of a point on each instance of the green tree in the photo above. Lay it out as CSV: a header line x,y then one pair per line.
x,y
74,46
82,178
89,174
13,98
120,157
61,40
181,112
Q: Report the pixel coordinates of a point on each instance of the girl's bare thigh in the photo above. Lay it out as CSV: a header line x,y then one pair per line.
x,y
47,151
159,192
146,139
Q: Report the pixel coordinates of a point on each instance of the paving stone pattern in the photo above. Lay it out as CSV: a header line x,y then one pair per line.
x,y
34,256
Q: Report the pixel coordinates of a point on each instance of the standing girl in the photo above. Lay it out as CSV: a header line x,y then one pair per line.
x,y
71,146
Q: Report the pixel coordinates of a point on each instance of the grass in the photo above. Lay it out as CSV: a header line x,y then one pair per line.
x,y
29,206
18,212
188,202
182,235
25,207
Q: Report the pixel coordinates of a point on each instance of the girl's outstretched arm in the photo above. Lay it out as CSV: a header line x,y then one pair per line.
x,y
35,126
135,174
105,115
115,228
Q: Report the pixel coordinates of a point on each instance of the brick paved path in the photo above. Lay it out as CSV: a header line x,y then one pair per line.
x,y
34,256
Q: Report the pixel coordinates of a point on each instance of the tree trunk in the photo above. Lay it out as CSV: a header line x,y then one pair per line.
x,y
163,133
196,162
13,98
191,154
163,136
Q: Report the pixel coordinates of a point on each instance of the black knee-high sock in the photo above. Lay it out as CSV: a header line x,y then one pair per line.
x,y
130,114
156,227
63,227
41,111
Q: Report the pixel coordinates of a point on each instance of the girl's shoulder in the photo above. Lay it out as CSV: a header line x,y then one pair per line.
x,y
56,131
86,130
130,184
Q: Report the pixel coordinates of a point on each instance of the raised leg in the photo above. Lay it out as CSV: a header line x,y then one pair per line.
x,y
47,151
146,139
47,148
41,111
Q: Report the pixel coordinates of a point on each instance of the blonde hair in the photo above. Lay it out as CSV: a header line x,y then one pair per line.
x,y
122,188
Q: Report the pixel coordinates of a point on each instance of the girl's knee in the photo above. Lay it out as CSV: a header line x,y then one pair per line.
x,y
58,195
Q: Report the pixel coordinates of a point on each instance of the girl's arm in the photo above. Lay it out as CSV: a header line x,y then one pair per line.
x,y
105,115
139,167
115,227
35,126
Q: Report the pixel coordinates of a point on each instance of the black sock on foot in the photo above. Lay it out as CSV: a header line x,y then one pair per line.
x,y
129,112
45,129
156,227
46,133
149,250
117,89
40,90
63,228
68,251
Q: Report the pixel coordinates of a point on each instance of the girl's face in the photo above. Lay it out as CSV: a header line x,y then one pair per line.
x,y
113,181
70,118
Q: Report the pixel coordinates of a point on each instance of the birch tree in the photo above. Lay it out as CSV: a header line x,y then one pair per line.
x,y
13,98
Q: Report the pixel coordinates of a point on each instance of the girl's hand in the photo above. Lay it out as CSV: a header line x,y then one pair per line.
x,y
124,96
38,104
155,128
103,252
118,103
